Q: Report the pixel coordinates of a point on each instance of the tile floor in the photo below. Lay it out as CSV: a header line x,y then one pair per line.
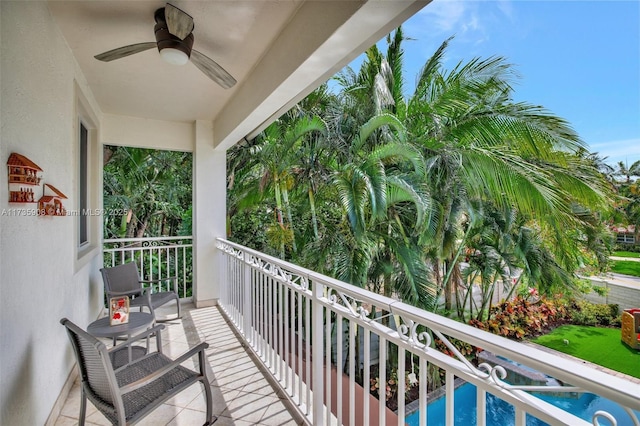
x,y
241,393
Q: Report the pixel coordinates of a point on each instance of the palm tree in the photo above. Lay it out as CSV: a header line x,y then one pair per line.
x,y
502,249
154,186
628,172
480,145
271,170
379,186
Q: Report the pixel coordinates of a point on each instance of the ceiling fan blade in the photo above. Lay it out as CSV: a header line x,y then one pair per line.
x,y
123,51
179,23
214,71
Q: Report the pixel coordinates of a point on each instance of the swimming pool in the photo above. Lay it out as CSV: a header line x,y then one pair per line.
x,y
501,413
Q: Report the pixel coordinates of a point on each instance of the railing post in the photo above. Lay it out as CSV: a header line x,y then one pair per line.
x,y
246,299
317,349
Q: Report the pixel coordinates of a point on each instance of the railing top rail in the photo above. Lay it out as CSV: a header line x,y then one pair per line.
x,y
569,370
134,240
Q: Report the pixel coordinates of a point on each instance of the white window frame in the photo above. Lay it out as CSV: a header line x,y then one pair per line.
x,y
85,117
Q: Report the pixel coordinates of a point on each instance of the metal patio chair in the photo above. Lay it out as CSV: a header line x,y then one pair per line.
x,y
127,389
124,280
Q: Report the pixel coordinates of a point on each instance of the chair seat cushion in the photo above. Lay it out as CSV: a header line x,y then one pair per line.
x,y
120,357
159,299
156,392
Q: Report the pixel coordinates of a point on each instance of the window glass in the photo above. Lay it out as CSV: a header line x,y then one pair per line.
x,y
83,207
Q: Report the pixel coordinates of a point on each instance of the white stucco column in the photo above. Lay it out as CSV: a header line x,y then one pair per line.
x,y
209,213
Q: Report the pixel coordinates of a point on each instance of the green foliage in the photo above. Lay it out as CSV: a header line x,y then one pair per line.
x,y
628,248
586,286
626,267
186,224
150,189
388,191
600,346
631,254
587,313
520,318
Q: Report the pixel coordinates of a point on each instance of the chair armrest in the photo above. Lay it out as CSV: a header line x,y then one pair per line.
x,y
159,280
165,369
122,293
147,333
174,279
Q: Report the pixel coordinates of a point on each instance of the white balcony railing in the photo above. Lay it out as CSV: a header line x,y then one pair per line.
x,y
157,257
290,317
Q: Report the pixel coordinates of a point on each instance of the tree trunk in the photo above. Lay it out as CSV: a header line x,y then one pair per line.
x,y
314,219
287,207
276,183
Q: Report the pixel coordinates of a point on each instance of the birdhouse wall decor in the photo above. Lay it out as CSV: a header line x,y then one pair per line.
x,y
49,204
23,177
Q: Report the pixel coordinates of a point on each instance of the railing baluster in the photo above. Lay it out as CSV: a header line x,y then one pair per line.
x,y
328,349
339,366
257,317
246,297
264,305
521,417
316,323
255,305
367,375
299,351
166,250
400,372
307,336
382,381
184,272
449,402
481,404
272,325
423,383
280,302
289,342
270,305
352,372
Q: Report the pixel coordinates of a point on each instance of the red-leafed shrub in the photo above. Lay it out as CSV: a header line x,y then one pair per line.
x,y
521,318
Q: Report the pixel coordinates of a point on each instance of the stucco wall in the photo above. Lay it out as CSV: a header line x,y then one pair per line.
x,y
41,278
625,296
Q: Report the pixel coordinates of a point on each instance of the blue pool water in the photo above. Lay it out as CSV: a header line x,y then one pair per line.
x,y
501,413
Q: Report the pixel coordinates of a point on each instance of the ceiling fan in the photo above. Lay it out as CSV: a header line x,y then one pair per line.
x,y
174,40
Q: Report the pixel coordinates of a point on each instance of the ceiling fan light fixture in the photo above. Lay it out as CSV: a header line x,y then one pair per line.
x,y
174,56
174,41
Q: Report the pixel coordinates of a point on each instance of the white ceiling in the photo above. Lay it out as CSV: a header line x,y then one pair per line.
x,y
277,50
233,33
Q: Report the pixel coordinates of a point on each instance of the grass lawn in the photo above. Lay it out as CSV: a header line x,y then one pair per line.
x,y
627,267
626,254
600,346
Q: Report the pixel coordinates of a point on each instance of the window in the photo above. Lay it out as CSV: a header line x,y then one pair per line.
x,y
83,232
626,238
86,194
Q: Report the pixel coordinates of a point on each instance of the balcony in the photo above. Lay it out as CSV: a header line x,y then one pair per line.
x,y
265,346
241,393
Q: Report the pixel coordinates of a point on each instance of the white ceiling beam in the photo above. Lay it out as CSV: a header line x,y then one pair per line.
x,y
321,39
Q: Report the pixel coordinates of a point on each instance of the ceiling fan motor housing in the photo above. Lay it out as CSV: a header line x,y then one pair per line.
x,y
166,40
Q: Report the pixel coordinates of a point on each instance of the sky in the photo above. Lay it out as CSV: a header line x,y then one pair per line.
x,y
578,59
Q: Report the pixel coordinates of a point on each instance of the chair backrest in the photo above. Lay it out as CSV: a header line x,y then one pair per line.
x,y
95,366
121,278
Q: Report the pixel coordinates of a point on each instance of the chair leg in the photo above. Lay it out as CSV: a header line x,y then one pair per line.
x,y
83,407
211,419
178,303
